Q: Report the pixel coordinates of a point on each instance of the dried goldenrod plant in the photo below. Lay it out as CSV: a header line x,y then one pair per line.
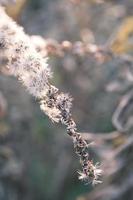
x,y
20,56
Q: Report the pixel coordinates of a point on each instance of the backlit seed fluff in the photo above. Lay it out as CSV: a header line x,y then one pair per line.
x,y
31,68
53,113
23,60
64,101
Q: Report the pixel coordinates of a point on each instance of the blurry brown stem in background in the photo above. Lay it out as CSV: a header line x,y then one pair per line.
x,y
51,47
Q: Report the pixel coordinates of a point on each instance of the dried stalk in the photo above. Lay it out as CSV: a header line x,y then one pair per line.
x,y
25,63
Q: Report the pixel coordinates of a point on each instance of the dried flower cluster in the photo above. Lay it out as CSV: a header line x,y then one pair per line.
x,y
24,62
50,47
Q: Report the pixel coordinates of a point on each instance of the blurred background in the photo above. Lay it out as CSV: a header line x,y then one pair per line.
x,y
90,48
